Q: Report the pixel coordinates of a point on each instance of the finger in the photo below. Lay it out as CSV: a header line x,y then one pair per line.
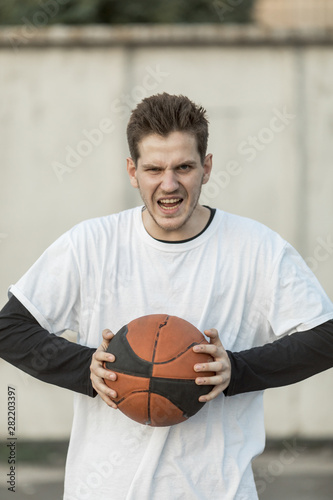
x,y
103,373
107,397
109,402
98,368
103,389
212,349
107,334
107,337
103,357
215,366
213,334
212,394
105,392
215,380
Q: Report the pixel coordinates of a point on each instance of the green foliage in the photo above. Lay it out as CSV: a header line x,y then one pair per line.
x,y
121,12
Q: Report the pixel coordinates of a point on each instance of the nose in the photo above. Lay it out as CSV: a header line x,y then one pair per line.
x,y
169,182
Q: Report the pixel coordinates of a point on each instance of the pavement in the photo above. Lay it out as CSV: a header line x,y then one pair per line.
x,y
295,472
291,471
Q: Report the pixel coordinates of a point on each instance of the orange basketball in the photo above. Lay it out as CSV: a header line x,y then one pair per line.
x,y
155,370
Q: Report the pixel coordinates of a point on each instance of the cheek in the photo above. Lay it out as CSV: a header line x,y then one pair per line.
x,y
147,187
195,185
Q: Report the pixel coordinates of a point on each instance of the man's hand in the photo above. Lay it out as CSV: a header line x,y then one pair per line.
x,y
98,373
221,366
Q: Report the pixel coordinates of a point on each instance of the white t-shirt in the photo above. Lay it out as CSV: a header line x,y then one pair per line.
x,y
237,276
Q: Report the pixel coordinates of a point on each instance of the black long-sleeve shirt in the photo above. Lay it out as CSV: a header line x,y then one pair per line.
x,y
28,346
286,361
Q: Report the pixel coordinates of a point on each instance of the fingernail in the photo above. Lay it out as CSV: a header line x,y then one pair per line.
x,y
197,348
197,368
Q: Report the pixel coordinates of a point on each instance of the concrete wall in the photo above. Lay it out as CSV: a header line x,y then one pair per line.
x,y
65,99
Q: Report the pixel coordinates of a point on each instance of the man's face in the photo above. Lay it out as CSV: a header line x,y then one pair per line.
x,y
169,176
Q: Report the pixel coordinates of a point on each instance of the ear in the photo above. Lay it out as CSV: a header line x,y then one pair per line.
x,y
208,165
132,172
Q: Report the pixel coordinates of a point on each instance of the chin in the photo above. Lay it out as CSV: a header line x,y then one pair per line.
x,y
170,225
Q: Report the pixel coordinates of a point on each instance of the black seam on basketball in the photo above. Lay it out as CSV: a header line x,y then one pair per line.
x,y
118,401
161,325
178,355
157,337
148,406
183,394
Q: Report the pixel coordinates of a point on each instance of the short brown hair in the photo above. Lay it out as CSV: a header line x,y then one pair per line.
x,y
164,113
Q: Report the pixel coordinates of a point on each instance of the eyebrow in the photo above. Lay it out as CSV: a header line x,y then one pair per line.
x,y
186,162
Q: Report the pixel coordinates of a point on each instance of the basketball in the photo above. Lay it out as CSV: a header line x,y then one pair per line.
x,y
155,370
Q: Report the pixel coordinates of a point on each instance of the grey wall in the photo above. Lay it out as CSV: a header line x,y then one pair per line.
x,y
65,100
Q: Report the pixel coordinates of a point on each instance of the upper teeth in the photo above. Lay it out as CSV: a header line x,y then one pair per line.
x,y
173,200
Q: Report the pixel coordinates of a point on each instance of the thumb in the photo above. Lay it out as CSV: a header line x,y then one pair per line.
x,y
213,336
107,336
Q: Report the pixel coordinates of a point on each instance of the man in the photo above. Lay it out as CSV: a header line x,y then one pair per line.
x,y
221,272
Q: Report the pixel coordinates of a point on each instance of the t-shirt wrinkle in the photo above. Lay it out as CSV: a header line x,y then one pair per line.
x,y
117,272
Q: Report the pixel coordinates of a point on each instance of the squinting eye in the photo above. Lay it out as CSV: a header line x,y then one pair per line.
x,y
184,168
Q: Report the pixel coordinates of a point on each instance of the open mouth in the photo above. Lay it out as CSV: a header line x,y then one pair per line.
x,y
170,203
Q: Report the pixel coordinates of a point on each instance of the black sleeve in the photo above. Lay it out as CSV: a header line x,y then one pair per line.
x,y
45,356
286,361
